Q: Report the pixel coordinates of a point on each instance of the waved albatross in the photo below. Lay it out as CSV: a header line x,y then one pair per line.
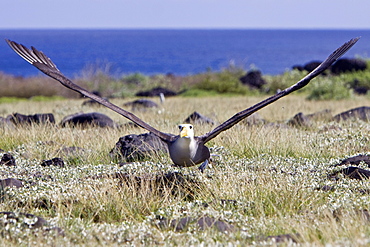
x,y
185,149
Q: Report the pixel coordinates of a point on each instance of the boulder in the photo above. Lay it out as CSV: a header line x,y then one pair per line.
x,y
141,104
197,118
53,162
42,118
298,67
253,79
138,147
203,223
347,65
324,115
360,113
284,238
358,87
300,120
87,119
156,92
254,119
355,160
91,102
10,182
355,173
7,160
310,66
25,221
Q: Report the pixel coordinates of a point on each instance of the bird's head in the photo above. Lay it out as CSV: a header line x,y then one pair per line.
x,y
186,130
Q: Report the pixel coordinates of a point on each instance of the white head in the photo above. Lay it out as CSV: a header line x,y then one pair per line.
x,y
186,130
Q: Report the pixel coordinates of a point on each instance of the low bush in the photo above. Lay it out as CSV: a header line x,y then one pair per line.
x,y
329,89
209,83
225,82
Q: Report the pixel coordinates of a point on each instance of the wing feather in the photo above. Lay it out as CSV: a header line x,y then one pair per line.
x,y
43,63
303,82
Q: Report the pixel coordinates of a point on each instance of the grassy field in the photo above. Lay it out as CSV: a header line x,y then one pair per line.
x,y
265,180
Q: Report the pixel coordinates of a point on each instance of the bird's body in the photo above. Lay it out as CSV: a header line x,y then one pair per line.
x,y
185,149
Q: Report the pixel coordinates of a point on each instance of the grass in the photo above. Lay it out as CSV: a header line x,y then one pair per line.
x,y
265,181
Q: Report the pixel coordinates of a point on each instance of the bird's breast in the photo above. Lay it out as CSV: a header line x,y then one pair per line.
x,y
183,150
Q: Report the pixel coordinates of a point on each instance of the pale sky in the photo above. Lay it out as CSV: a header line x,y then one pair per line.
x,y
311,14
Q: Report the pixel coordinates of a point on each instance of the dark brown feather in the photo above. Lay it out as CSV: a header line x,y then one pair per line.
x,y
303,82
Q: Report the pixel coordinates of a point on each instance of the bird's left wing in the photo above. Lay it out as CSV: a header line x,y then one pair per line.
x,y
43,63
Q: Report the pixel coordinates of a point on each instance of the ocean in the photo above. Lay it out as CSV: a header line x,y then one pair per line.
x,y
179,52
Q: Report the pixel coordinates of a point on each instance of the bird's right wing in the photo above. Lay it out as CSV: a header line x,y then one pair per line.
x,y
43,63
303,82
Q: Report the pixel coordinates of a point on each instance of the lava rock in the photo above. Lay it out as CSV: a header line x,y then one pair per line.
x,y
156,92
254,119
18,119
53,162
298,67
202,223
10,182
355,160
253,79
88,119
324,115
141,104
310,66
197,118
354,173
284,238
71,151
300,120
348,64
26,221
7,160
138,147
360,113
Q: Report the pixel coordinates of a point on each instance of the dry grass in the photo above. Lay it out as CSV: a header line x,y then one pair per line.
x,y
265,180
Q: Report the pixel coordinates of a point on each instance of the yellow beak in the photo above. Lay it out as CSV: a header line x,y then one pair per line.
x,y
184,132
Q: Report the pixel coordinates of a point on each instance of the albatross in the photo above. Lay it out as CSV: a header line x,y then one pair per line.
x,y
185,149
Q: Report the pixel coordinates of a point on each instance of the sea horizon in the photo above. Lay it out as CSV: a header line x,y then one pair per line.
x,y
179,51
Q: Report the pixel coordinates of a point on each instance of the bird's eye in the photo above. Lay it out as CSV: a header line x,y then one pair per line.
x,y
190,127
180,127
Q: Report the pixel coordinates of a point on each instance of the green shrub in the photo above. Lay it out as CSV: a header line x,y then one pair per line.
x,y
330,88
41,98
357,79
199,93
135,78
11,99
285,80
224,82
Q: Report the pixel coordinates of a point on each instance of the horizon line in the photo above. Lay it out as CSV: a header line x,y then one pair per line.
x,y
187,28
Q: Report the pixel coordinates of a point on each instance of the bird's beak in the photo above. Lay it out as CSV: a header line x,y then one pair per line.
x,y
184,132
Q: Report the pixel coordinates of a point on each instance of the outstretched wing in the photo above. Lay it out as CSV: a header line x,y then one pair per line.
x,y
43,63
303,82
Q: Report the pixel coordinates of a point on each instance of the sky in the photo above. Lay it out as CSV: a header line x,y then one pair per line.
x,y
174,14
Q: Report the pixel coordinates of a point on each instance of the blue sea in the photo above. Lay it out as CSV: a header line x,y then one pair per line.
x,y
179,52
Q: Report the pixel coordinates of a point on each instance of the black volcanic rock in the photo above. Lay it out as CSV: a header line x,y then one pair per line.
x,y
360,113
253,79
87,119
197,118
138,147
43,118
156,92
347,65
